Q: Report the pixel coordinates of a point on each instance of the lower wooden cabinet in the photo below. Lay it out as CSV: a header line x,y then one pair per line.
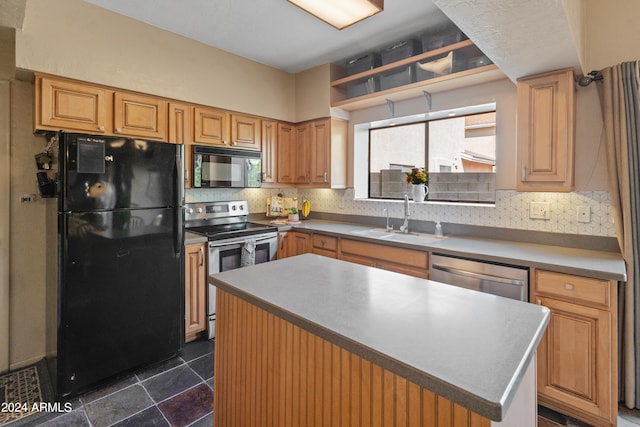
x,y
577,357
321,244
195,292
292,243
401,260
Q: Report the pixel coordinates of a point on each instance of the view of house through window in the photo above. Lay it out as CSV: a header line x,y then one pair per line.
x,y
458,153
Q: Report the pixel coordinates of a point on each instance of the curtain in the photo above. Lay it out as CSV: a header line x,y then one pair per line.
x,y
618,92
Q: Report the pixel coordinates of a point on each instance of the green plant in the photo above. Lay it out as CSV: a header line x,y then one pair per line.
x,y
293,211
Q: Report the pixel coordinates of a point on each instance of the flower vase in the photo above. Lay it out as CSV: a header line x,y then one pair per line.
x,y
419,192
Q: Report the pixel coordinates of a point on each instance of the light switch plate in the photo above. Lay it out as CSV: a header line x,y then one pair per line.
x,y
539,210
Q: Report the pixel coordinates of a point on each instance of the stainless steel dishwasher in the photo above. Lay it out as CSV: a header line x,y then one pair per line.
x,y
498,279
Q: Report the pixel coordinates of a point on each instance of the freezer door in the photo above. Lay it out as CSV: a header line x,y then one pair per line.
x,y
104,173
121,294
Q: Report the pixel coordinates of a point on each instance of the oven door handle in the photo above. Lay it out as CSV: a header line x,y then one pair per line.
x,y
241,240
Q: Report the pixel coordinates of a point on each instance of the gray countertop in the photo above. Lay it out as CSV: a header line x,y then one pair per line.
x,y
469,347
585,262
190,238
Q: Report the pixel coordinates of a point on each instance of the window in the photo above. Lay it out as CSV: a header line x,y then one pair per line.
x,y
458,152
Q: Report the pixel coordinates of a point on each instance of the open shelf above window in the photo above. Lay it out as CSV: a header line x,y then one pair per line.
x,y
457,65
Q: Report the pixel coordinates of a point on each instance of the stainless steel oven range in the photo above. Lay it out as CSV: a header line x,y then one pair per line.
x,y
233,241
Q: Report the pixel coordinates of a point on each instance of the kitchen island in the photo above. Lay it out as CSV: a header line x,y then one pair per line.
x,y
310,340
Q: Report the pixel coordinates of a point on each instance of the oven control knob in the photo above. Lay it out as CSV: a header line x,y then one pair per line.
x,y
234,207
189,211
241,207
199,210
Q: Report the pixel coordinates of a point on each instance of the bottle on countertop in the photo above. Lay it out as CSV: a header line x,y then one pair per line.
x,y
438,232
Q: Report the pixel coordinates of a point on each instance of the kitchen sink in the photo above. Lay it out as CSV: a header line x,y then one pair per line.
x,y
381,233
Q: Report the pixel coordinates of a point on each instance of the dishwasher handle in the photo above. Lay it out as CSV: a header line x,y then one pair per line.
x,y
478,275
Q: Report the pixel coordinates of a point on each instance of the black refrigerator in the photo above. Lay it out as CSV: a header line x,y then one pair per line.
x,y
120,257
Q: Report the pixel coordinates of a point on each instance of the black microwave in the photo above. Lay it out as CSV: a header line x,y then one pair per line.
x,y
225,168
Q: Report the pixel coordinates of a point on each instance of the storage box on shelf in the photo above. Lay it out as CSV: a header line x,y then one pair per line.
x,y
464,64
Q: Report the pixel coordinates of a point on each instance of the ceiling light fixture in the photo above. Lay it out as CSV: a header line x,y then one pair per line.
x,y
340,13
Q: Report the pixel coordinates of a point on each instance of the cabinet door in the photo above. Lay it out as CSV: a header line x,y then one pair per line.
x,y
283,245
72,106
139,115
301,153
195,291
299,243
245,132
545,123
180,132
286,153
576,363
211,126
320,153
269,151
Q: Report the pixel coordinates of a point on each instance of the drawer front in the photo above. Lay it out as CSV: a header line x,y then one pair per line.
x,y
392,254
322,241
573,288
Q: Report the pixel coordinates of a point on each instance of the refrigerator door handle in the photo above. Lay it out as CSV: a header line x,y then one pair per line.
x,y
179,202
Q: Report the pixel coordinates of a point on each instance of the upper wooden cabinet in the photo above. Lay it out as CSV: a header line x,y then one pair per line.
x,y
546,131
269,145
320,152
285,154
139,115
310,154
245,132
68,105
211,126
181,132
301,153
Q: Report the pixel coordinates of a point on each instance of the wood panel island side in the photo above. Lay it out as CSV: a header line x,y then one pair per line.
x,y
315,341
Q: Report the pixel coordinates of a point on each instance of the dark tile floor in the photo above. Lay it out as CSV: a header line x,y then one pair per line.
x,y
177,392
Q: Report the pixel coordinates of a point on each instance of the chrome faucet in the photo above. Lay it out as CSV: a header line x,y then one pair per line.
x,y
388,228
405,225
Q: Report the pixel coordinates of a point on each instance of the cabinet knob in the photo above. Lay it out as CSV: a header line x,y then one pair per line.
x,y
201,256
325,176
225,142
322,242
118,130
101,128
524,173
568,286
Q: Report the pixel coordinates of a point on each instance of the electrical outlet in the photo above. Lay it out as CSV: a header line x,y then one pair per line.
x,y
584,214
28,198
539,210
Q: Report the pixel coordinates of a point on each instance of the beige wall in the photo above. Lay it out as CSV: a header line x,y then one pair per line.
x,y
612,33
312,93
76,39
31,239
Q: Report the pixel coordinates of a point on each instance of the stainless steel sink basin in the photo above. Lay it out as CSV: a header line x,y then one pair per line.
x,y
381,233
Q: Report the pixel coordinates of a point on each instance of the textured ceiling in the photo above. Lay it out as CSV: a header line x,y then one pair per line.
x,y
276,32
522,37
